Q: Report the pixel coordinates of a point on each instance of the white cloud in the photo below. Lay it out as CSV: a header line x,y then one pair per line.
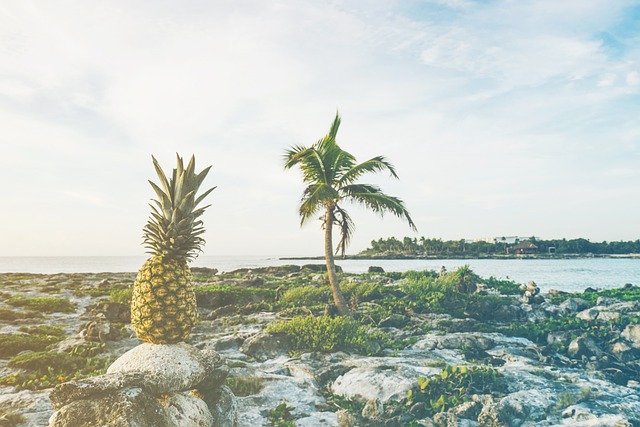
x,y
633,78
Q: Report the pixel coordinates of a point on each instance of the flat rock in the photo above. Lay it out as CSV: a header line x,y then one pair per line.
x,y
65,393
169,367
384,383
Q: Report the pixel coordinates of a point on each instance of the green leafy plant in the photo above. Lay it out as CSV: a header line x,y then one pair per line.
x,y
453,386
281,416
44,369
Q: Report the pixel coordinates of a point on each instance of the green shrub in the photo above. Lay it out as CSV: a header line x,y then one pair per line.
x,y
329,334
632,294
305,296
281,416
245,386
538,332
9,315
54,331
43,305
12,344
413,275
121,296
505,287
362,291
463,280
453,386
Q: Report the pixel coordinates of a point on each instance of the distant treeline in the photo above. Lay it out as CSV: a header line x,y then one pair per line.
x,y
436,247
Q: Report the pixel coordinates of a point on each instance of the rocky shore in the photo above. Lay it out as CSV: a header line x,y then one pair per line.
x,y
422,350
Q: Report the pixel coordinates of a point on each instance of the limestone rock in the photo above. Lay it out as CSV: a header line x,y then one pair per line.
x,y
264,346
385,383
223,407
590,314
632,334
169,367
65,393
186,410
573,305
124,408
584,345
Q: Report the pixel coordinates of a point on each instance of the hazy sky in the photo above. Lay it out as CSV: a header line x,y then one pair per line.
x,y
501,117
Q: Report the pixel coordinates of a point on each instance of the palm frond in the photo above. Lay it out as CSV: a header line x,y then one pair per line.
x,y
373,198
346,226
375,164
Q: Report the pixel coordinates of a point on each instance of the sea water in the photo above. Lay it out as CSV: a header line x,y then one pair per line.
x,y
563,274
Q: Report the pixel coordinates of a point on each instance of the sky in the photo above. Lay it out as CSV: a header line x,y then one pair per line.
x,y
501,117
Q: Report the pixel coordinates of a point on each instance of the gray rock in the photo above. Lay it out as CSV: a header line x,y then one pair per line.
x,y
373,410
169,367
264,346
608,316
632,334
66,393
573,305
559,338
590,314
584,345
186,410
34,406
623,352
384,383
124,408
132,407
223,407
468,341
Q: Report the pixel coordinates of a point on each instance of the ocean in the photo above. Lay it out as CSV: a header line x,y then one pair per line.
x,y
563,274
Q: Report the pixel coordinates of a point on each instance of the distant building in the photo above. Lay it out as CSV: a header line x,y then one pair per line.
x,y
509,240
523,248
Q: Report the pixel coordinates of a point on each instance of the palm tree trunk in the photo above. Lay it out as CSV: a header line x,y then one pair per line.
x,y
338,298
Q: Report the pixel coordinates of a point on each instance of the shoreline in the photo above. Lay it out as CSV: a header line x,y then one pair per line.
x,y
470,257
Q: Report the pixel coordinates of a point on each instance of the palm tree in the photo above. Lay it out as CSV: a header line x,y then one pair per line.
x,y
330,174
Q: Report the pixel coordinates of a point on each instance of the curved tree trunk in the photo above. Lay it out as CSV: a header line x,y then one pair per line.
x,y
338,298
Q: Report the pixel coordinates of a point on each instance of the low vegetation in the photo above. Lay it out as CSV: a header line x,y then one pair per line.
x,y
329,334
45,369
43,305
244,386
451,387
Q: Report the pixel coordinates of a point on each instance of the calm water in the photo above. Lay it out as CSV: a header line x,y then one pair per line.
x,y
564,274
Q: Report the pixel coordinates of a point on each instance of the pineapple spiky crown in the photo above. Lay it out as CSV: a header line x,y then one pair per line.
x,y
173,230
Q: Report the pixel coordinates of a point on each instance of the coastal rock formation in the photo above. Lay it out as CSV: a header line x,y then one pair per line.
x,y
170,385
568,370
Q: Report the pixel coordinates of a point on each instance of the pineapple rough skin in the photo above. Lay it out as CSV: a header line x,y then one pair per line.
x,y
163,304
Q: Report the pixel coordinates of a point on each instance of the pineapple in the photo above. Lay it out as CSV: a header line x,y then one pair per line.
x,y
163,304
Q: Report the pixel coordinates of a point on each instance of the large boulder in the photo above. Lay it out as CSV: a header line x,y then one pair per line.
x,y
151,385
169,367
133,407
